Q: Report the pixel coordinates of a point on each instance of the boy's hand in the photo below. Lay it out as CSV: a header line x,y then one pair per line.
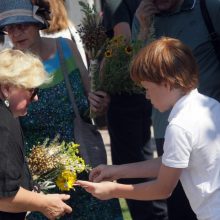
x,y
101,190
103,173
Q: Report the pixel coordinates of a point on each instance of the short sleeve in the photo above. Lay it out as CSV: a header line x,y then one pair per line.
x,y
177,147
11,164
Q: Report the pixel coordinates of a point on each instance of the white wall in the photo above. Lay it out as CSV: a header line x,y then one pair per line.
x,y
74,12
75,17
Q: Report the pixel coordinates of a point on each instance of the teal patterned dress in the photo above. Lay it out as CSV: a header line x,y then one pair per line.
x,y
53,115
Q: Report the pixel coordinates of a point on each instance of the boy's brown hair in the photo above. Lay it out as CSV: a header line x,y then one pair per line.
x,y
166,60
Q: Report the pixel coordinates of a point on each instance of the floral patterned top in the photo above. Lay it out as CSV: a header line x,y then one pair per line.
x,y
52,114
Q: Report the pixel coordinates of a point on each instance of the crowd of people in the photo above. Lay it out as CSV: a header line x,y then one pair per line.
x,y
180,72
53,113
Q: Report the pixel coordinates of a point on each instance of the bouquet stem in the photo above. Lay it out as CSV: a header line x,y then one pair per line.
x,y
93,68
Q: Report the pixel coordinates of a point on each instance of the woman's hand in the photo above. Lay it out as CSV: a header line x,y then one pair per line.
x,y
99,101
144,14
104,173
53,205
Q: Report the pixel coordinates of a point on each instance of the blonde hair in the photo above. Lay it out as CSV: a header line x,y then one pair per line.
x,y
166,60
21,69
59,17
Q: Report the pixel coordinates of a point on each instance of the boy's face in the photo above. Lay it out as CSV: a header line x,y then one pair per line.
x,y
161,96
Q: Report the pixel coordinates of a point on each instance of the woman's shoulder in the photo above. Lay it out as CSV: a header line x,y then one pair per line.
x,y
51,51
6,116
8,123
50,46
66,45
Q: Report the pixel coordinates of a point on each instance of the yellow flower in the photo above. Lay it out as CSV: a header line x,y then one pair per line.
x,y
117,41
75,145
66,180
108,53
128,50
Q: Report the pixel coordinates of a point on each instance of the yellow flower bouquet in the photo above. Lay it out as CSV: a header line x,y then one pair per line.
x,y
114,76
55,164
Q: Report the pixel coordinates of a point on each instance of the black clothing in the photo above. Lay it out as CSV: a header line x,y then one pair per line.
x,y
116,11
129,120
13,167
12,216
129,129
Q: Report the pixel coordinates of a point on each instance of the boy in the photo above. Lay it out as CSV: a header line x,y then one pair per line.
x,y
168,71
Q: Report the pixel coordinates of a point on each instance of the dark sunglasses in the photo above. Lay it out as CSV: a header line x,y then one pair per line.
x,y
33,93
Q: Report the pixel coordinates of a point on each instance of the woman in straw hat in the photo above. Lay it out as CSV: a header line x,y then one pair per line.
x,y
22,20
20,76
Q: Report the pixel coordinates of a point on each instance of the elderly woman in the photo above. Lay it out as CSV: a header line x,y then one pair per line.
x,y
20,76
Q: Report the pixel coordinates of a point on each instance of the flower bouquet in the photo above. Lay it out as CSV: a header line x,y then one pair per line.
x,y
55,164
93,37
114,75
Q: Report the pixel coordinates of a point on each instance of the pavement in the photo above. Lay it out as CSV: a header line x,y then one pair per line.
x,y
106,139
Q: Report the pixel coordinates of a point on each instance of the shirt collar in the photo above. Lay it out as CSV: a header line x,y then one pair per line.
x,y
186,6
181,103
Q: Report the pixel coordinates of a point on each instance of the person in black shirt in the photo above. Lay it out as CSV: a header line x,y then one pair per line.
x,y
20,75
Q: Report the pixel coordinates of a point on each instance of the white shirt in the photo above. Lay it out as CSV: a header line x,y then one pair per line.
x,y
192,142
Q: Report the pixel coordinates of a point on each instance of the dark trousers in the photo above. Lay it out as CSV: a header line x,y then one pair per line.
x,y
178,204
129,121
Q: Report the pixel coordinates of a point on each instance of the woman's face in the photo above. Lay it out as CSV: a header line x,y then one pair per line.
x,y
19,99
23,36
